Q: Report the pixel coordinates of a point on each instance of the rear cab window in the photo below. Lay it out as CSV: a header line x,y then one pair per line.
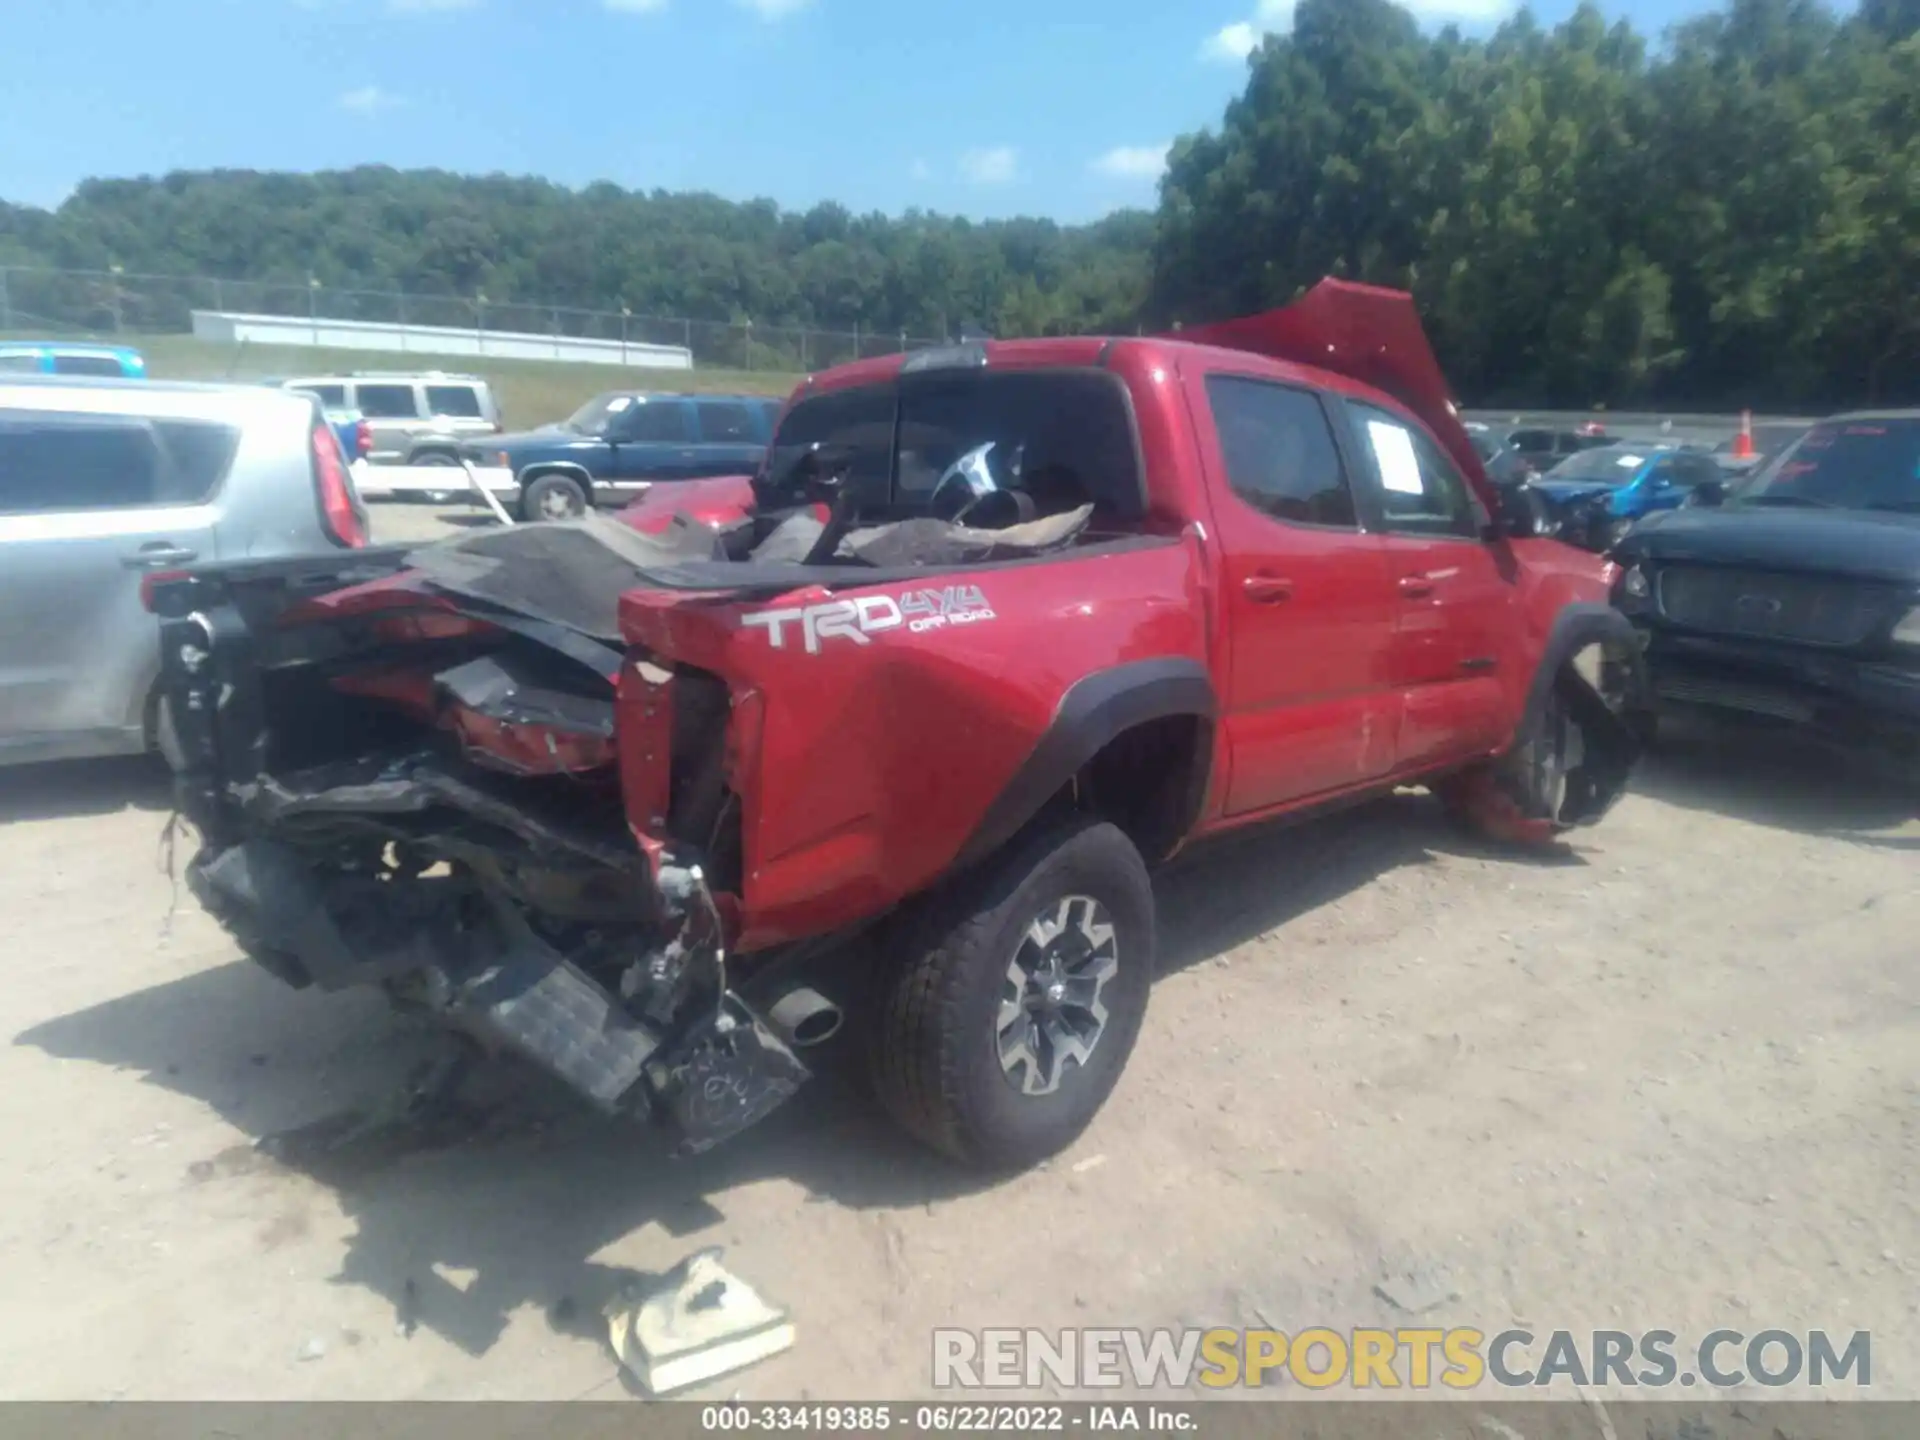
x,y
20,362
52,462
1280,452
334,397
1064,437
387,402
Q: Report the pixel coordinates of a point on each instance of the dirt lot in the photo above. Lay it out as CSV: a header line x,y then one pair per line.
x,y
1666,1079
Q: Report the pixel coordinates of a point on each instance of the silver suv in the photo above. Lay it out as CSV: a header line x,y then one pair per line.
x,y
106,485
416,417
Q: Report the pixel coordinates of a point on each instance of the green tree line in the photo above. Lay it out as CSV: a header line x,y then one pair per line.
x,y
1729,214
1733,217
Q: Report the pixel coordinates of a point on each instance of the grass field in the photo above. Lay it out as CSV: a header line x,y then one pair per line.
x,y
530,392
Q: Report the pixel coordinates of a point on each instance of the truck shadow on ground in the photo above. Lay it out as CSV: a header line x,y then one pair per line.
x,y
84,787
520,1185
1780,780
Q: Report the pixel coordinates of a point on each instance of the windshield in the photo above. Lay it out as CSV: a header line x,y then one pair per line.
x,y
1612,466
593,417
1845,465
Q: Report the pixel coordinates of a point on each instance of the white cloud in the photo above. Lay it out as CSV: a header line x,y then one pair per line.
x,y
1133,162
1232,44
1471,10
424,6
636,7
995,166
368,100
771,10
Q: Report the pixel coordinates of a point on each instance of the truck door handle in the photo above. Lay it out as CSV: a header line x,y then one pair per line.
x,y
1416,587
1267,589
157,555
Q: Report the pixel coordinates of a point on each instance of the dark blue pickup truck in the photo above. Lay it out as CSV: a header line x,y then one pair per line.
x,y
617,445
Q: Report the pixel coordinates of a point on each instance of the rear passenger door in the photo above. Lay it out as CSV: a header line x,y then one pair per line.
x,y
733,437
1309,607
392,412
89,504
1453,593
652,443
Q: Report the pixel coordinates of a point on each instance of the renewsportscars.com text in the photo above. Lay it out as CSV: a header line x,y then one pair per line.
x,y
1461,1358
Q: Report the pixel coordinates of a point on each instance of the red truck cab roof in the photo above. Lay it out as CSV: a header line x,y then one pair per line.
x,y
1360,340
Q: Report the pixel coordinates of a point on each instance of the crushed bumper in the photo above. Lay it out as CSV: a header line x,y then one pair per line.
x,y
465,956
1830,693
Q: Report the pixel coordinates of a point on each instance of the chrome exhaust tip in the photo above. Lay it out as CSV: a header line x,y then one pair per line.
x,y
805,1018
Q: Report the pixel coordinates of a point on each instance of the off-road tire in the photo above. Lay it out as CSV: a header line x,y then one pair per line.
x,y
934,1055
533,498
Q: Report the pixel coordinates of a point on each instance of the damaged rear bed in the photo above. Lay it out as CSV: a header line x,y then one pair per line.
x,y
448,773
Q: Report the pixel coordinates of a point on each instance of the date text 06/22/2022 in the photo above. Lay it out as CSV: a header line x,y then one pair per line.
x,y
916,1419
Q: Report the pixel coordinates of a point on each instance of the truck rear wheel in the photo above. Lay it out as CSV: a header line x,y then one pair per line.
x,y
1021,994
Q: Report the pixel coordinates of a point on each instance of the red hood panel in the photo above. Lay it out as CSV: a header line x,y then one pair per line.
x,y
1367,334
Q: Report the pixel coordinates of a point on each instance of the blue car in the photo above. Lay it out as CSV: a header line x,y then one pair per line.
x,y
71,357
1596,496
617,445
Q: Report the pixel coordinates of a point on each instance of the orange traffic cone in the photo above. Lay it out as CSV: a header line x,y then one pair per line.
x,y
1743,442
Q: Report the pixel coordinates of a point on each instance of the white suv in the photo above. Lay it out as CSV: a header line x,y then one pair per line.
x,y
416,417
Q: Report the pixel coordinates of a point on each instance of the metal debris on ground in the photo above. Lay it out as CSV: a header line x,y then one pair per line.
x,y
699,1322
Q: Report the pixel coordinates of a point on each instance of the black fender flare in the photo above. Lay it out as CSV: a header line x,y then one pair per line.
x,y
1617,728
1095,709
1577,626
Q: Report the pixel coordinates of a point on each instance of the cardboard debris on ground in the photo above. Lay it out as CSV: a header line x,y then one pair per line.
x,y
701,1321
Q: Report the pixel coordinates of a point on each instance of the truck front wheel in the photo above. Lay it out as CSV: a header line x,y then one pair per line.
x,y
553,497
1016,997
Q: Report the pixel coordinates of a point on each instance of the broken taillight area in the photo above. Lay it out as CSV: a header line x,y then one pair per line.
x,y
508,712
439,801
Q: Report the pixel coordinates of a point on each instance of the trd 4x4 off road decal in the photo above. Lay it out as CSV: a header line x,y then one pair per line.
x,y
859,620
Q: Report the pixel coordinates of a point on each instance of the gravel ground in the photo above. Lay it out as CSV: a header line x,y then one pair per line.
x,y
1663,1079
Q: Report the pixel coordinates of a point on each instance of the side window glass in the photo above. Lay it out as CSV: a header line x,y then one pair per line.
x,y
1421,491
1280,452
51,464
657,421
456,402
87,365
724,422
387,402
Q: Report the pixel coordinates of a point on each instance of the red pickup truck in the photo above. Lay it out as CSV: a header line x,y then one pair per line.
x,y
897,728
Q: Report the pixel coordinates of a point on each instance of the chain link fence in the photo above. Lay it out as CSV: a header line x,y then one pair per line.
x,y
110,304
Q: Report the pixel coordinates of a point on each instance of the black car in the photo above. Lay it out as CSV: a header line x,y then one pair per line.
x,y
1795,595
617,445
1541,448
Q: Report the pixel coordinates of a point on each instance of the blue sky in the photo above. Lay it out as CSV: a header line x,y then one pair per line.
x,y
975,107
